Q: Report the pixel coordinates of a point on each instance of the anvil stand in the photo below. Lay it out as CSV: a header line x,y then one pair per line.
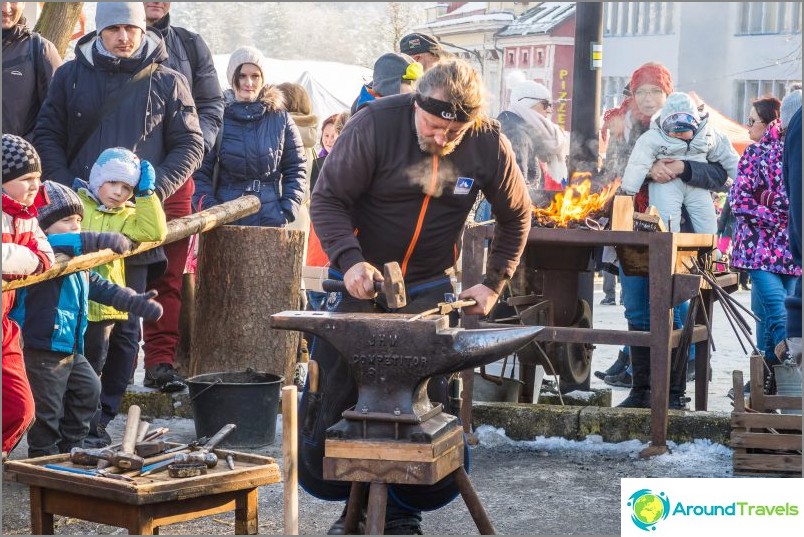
x,y
410,463
394,434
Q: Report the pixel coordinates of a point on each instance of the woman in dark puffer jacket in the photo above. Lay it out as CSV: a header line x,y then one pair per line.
x,y
261,151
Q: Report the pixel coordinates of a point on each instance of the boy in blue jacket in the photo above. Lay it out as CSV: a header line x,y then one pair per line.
x,y
53,317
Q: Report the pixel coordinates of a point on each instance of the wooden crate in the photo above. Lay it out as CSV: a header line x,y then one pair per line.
x,y
765,443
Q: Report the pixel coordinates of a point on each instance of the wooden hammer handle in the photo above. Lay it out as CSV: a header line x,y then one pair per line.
x,y
132,426
313,376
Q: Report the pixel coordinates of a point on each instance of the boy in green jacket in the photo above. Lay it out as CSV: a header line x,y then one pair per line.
x,y
116,175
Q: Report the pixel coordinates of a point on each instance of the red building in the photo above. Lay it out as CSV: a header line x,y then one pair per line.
x,y
539,45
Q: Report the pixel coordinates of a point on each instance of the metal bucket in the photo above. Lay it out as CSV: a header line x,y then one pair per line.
x,y
249,399
486,390
788,383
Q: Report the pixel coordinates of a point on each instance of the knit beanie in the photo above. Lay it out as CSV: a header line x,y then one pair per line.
x,y
790,105
64,202
19,158
245,55
389,71
528,89
115,164
113,13
652,73
681,111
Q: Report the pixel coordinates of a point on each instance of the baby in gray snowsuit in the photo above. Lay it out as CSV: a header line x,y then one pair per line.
x,y
679,132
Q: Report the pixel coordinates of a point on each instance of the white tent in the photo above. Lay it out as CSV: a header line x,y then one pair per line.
x,y
332,86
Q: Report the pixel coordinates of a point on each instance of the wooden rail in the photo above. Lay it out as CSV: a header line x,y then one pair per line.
x,y
177,229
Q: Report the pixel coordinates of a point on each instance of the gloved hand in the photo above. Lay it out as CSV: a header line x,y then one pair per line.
x,y
147,179
766,197
94,241
140,305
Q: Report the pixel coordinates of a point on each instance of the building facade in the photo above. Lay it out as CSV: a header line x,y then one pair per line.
x,y
728,53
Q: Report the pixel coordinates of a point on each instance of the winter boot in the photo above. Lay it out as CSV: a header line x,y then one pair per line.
x,y
640,387
621,380
616,368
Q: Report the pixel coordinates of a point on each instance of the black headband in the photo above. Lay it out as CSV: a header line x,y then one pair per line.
x,y
443,109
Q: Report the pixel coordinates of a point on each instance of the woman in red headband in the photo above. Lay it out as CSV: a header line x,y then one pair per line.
x,y
650,85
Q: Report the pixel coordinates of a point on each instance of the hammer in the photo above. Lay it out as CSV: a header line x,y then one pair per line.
x,y
393,286
126,458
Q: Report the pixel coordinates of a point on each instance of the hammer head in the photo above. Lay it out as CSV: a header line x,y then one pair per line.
x,y
90,457
393,285
127,461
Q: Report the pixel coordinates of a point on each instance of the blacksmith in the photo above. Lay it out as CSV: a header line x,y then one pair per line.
x,y
398,186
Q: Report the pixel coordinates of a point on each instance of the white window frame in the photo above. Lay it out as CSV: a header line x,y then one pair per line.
x,y
764,18
747,90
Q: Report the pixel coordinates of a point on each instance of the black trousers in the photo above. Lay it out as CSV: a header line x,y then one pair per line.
x,y
66,391
339,393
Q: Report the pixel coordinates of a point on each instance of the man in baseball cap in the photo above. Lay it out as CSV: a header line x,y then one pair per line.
x,y
423,48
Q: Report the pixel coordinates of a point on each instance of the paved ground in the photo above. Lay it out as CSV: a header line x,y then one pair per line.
x,y
547,487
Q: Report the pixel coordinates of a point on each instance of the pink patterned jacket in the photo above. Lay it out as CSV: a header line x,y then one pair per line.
x,y
759,203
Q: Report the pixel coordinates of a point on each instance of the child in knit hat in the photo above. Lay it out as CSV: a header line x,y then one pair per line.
x,y
108,206
25,251
53,317
679,132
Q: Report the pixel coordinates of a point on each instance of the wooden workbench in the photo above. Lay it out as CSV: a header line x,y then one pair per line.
x,y
663,256
148,502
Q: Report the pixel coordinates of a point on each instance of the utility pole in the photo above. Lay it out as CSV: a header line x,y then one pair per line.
x,y
585,123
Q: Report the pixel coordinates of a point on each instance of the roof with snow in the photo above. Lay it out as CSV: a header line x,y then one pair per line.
x,y
540,19
498,16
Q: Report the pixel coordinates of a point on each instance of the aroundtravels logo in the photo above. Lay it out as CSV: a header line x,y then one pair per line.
x,y
648,508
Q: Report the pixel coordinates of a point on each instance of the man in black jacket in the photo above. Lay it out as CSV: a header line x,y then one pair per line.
x,y
189,55
398,186
29,61
156,120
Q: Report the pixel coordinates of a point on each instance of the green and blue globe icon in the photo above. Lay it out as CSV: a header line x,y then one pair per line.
x,y
648,508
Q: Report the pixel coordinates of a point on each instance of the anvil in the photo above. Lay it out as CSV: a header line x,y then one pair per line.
x,y
391,359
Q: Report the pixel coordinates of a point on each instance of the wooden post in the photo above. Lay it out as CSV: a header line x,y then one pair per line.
x,y
244,275
290,448
177,229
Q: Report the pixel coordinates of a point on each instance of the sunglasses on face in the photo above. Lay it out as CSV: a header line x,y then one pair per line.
x,y
680,122
544,102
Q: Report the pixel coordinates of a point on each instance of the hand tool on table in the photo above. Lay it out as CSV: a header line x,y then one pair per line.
x,y
216,439
143,435
230,460
392,286
93,473
149,449
207,458
125,458
186,469
450,304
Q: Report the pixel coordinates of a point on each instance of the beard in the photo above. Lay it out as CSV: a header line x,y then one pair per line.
x,y
428,145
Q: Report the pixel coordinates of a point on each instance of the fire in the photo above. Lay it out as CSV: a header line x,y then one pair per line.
x,y
576,202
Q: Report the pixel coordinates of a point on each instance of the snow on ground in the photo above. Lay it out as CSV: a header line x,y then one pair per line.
x,y
701,458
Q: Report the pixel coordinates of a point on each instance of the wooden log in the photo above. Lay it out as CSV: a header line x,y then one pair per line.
x,y
177,229
290,448
244,275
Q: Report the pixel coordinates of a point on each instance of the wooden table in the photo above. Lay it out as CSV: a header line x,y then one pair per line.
x,y
149,502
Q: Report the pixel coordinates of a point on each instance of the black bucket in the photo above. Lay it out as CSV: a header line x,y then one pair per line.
x,y
249,399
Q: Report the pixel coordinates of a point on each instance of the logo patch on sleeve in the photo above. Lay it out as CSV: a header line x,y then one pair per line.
x,y
463,186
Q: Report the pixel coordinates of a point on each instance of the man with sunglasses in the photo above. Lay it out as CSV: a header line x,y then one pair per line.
x,y
541,147
398,186
680,132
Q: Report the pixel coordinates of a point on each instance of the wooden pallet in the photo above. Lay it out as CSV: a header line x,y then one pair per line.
x,y
765,444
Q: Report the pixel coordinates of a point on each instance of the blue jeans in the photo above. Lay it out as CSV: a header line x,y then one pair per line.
x,y
768,292
635,295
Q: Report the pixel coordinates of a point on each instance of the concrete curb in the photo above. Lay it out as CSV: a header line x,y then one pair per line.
x,y
522,421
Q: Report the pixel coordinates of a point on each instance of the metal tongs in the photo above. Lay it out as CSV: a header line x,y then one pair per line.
x,y
451,303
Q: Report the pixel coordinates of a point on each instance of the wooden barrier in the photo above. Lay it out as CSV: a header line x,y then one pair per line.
x,y
179,228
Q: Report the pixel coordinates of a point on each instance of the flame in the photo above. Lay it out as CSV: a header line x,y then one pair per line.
x,y
576,202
